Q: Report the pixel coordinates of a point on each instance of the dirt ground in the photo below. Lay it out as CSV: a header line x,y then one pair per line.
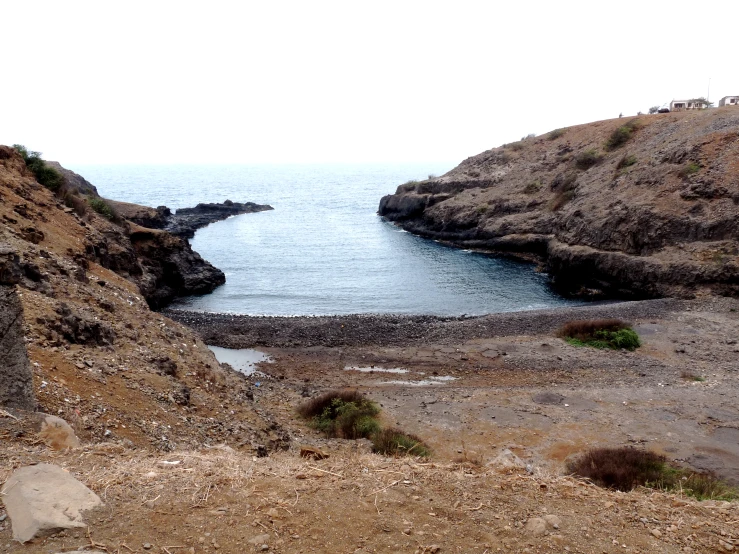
x,y
533,394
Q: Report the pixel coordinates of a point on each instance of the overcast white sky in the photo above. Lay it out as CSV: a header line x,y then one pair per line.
x,y
317,81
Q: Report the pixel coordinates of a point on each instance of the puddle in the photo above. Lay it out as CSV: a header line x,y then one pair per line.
x,y
440,380
243,360
376,369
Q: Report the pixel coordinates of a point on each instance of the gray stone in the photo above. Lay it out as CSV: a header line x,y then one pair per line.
x,y
259,539
536,526
16,378
507,460
44,499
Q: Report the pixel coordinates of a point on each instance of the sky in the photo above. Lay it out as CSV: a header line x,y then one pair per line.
x,y
317,81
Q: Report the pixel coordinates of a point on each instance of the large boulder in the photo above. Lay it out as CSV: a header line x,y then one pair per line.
x,y
44,499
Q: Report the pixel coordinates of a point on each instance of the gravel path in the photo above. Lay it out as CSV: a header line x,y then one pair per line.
x,y
239,331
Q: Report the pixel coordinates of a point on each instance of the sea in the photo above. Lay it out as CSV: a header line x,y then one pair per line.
x,y
323,250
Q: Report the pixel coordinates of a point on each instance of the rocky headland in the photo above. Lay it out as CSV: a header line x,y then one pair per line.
x,y
185,221
630,208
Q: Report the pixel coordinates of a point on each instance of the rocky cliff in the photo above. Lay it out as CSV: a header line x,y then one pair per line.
x,y
100,358
637,208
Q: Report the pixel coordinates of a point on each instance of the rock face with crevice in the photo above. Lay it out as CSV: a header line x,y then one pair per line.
x,y
16,378
655,215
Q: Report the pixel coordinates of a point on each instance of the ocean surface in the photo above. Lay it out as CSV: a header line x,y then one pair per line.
x,y
323,250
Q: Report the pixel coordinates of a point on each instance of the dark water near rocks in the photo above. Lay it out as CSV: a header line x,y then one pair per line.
x,y
323,250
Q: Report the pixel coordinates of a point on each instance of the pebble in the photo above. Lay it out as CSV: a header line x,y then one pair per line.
x,y
656,533
147,546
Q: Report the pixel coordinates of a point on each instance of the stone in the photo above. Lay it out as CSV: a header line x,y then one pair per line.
x,y
656,533
44,499
259,539
536,526
58,433
553,521
507,460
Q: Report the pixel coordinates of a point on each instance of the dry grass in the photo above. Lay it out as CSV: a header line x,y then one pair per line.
x,y
583,329
621,469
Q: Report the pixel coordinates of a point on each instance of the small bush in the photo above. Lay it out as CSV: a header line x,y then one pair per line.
x,y
626,161
554,135
532,188
45,175
689,169
515,146
587,159
101,207
431,176
345,414
626,468
561,199
393,442
622,468
74,201
692,376
600,333
622,134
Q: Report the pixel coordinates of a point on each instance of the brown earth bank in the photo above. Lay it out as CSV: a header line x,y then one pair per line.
x,y
631,208
190,456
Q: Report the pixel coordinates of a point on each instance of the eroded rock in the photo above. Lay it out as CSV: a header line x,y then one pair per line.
x,y
44,499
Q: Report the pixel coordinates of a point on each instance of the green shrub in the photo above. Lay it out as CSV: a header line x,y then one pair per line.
x,y
393,442
587,159
622,134
45,175
101,207
602,333
554,135
345,414
625,468
626,161
689,169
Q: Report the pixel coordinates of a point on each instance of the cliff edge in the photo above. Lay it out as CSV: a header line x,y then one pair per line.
x,y
631,208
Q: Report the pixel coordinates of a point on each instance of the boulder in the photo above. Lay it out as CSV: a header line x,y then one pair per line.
x,y
44,499
506,460
57,433
16,378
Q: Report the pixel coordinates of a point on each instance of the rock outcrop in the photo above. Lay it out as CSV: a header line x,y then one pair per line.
x,y
636,208
16,378
44,499
185,221
74,181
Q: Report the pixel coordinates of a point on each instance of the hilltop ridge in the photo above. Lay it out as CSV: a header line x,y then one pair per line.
x,y
631,207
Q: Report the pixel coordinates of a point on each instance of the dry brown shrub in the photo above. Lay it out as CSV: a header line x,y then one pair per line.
x,y
584,329
621,468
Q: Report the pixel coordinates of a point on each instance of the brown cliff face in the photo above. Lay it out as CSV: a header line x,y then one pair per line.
x,y
638,207
101,359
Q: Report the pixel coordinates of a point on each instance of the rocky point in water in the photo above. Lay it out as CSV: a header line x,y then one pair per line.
x,y
185,221
631,208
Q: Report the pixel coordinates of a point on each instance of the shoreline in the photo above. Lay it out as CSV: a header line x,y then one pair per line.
x,y
244,331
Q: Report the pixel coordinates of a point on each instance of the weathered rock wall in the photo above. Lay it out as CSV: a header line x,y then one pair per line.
x,y
16,378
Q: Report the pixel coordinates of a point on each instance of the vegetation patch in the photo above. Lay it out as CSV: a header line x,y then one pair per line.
x,y
515,146
600,333
348,414
587,159
554,135
564,186
102,207
692,376
625,468
533,187
626,161
691,168
45,175
622,134
393,442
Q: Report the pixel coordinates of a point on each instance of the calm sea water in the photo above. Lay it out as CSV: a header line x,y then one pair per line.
x,y
323,250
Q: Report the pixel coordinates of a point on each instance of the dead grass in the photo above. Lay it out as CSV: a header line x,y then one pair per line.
x,y
583,329
621,469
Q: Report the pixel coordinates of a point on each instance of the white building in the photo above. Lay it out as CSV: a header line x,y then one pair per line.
x,y
729,101
693,104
